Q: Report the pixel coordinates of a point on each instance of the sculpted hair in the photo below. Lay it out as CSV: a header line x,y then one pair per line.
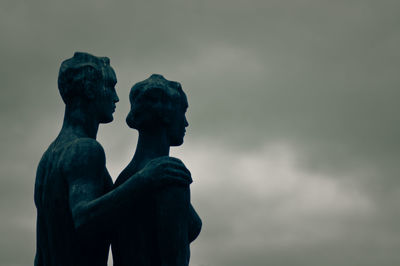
x,y
76,73
152,101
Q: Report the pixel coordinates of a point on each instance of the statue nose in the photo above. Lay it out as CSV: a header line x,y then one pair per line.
x,y
116,99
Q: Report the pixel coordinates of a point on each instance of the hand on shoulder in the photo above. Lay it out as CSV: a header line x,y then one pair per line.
x,y
166,170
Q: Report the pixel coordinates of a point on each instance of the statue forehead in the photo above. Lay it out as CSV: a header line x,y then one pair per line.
x,y
109,74
184,99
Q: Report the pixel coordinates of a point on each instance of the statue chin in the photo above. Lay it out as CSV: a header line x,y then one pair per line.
x,y
177,142
107,120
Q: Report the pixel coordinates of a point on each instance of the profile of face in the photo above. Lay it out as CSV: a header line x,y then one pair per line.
x,y
106,96
176,126
90,80
159,105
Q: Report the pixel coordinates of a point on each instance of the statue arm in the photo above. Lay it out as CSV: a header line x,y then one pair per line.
x,y
84,168
173,214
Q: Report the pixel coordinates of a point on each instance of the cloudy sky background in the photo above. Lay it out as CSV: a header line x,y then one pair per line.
x,y
294,118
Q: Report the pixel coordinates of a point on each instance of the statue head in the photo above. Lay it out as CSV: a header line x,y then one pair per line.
x,y
90,80
159,104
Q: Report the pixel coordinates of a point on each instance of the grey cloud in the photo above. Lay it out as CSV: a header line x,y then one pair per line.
x,y
318,75
276,213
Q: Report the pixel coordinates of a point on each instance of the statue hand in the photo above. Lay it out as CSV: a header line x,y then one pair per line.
x,y
166,170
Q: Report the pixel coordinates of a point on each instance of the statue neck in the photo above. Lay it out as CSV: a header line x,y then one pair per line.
x,y
150,146
80,121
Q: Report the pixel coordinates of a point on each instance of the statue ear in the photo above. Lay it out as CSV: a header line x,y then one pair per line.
x,y
164,117
88,90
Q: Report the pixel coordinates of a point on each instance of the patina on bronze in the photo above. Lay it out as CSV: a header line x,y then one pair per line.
x,y
76,208
162,223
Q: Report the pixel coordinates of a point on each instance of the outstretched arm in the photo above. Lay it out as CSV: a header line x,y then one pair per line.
x,y
173,213
84,168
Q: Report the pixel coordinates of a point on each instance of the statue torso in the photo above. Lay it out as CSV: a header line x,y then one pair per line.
x,y
57,241
135,240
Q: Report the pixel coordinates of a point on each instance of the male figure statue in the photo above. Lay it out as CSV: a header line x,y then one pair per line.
x,y
76,208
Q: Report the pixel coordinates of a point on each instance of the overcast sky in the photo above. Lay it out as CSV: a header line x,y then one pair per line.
x,y
293,111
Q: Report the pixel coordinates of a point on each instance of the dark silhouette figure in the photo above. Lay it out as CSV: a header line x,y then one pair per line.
x,y
162,223
75,205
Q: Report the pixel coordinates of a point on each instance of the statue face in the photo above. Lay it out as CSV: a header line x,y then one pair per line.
x,y
106,97
178,124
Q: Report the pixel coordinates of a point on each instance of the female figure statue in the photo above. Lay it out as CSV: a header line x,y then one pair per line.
x,y
162,223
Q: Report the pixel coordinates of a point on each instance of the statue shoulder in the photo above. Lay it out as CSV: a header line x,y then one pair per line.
x,y
82,152
86,145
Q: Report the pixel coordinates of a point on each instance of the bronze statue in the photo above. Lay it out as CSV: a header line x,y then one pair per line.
x,y
162,223
76,208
